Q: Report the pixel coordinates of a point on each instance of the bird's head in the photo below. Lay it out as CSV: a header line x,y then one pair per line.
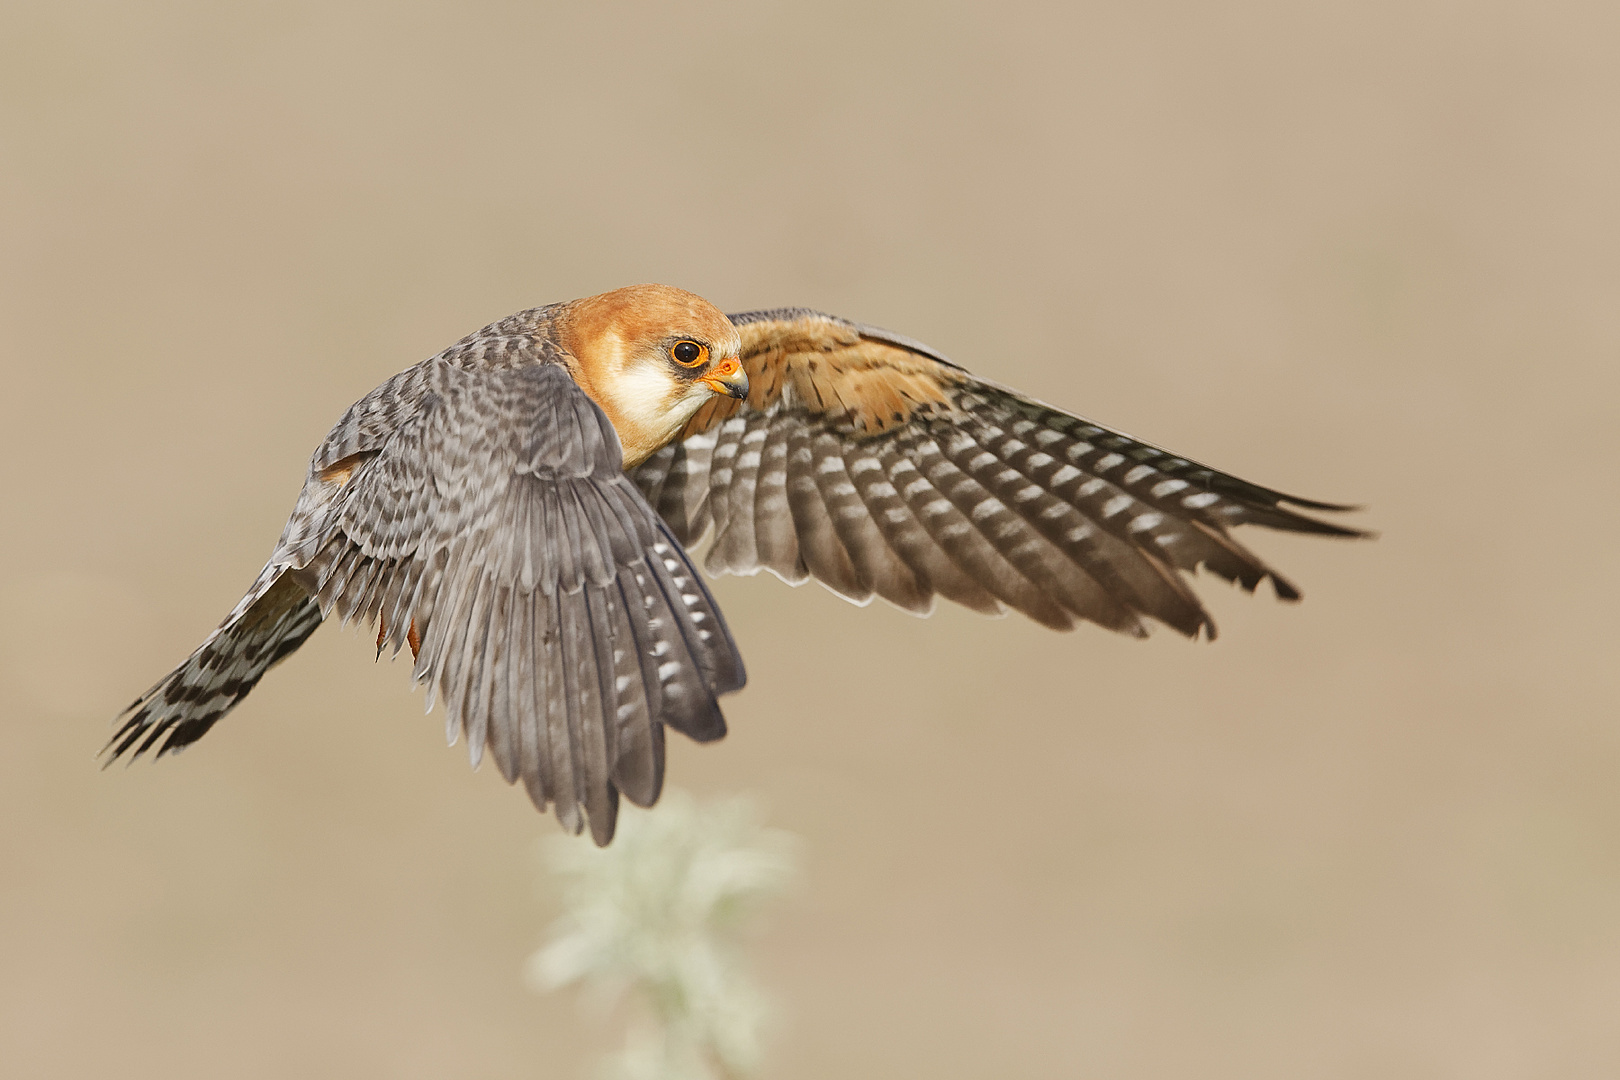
x,y
650,356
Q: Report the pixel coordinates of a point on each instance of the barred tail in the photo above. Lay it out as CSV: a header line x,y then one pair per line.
x,y
273,619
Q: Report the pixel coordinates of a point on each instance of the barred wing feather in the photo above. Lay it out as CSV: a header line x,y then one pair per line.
x,y
873,464
561,624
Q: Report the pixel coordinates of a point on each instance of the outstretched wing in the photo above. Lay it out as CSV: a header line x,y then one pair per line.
x,y
874,464
561,625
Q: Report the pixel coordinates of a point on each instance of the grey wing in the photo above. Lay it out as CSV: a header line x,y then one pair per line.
x,y
561,625
277,615
873,464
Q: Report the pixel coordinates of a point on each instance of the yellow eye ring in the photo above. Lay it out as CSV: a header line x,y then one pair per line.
x,y
688,353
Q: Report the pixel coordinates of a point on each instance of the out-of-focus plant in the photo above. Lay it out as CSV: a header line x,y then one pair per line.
x,y
661,914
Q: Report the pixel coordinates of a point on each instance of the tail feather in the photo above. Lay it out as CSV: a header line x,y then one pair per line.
x,y
275,617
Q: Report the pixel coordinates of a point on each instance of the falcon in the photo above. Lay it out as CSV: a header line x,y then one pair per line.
x,y
518,510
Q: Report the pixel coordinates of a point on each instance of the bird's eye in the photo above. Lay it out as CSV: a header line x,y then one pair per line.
x,y
689,353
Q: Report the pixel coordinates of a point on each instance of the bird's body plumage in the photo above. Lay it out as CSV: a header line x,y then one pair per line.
x,y
480,500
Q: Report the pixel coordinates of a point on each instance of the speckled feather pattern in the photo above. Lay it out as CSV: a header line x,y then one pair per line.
x,y
482,497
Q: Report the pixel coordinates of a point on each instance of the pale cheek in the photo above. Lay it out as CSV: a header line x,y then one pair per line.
x,y
651,407
643,397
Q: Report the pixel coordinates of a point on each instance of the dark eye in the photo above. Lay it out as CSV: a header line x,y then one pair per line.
x,y
689,353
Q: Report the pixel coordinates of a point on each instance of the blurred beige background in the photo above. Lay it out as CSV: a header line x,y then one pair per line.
x,y
1364,252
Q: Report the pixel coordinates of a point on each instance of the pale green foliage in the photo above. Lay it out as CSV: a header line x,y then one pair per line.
x,y
661,914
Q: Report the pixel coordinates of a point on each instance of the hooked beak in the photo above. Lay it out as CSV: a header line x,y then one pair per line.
x,y
727,378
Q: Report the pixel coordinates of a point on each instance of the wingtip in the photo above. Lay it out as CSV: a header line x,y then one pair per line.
x,y
1294,521
1326,507
127,735
1284,589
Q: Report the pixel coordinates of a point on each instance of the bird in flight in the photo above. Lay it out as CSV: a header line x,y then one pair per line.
x,y
517,511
